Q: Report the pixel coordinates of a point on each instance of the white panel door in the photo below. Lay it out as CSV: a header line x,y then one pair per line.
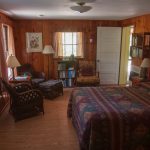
x,y
108,54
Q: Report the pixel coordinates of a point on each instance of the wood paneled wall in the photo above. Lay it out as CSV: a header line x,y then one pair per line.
x,y
48,28
142,24
5,19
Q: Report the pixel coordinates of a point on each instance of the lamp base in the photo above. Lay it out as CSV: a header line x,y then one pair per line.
x,y
13,77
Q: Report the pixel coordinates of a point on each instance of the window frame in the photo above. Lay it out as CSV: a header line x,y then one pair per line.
x,y
72,44
5,32
76,44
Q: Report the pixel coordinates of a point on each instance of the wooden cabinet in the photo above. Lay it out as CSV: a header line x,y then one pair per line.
x,y
140,47
67,72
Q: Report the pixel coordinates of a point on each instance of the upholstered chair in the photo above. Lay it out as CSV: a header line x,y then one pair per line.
x,y
87,75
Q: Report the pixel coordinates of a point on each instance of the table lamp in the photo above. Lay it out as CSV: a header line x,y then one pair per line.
x,y
48,49
12,62
145,65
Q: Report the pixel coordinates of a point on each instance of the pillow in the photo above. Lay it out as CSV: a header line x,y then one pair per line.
x,y
87,70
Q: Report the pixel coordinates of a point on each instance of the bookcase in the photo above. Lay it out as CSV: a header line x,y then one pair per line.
x,y
67,72
140,47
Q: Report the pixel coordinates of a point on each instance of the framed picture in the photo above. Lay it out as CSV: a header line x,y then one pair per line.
x,y
34,42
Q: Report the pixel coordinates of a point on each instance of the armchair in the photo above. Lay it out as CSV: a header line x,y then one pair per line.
x,y
25,101
87,75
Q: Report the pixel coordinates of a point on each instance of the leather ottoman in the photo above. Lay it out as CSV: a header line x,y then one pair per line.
x,y
51,88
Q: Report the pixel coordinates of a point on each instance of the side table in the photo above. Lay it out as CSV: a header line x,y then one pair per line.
x,y
136,80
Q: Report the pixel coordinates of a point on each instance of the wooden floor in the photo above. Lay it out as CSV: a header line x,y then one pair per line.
x,y
52,131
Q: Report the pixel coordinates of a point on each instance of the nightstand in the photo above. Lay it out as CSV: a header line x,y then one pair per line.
x,y
136,80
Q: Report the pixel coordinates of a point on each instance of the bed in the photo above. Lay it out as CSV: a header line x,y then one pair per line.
x,y
111,118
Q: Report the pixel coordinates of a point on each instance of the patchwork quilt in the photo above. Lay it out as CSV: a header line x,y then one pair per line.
x,y
111,118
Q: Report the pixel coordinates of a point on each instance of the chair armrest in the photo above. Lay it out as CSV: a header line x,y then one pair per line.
x,y
22,87
28,97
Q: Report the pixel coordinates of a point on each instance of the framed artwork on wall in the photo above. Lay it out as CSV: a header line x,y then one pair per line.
x,y
34,42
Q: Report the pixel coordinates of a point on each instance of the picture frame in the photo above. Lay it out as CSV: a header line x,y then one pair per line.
x,y
34,42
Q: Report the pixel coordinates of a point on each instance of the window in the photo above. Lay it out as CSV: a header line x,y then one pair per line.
x,y
5,37
5,40
8,40
69,43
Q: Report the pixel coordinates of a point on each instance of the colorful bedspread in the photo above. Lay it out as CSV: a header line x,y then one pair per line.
x,y
111,118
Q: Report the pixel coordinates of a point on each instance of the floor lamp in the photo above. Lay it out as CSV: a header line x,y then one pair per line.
x,y
47,51
12,62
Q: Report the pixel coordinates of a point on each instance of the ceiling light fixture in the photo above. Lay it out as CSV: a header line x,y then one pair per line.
x,y
41,15
85,1
81,8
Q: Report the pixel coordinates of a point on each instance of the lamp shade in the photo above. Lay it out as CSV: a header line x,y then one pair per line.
x,y
12,61
48,50
145,63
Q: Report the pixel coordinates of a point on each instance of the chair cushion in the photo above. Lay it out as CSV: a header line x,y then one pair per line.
x,y
88,79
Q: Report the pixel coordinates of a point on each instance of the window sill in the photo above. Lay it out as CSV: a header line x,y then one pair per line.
x,y
61,58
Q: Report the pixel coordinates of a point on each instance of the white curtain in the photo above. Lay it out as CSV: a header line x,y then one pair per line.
x,y
8,48
124,55
58,45
11,47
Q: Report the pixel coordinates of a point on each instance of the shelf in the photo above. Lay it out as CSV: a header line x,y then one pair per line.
x,y
137,46
140,47
67,72
68,78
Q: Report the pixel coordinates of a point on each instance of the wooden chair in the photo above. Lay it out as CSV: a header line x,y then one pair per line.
x,y
87,75
25,101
